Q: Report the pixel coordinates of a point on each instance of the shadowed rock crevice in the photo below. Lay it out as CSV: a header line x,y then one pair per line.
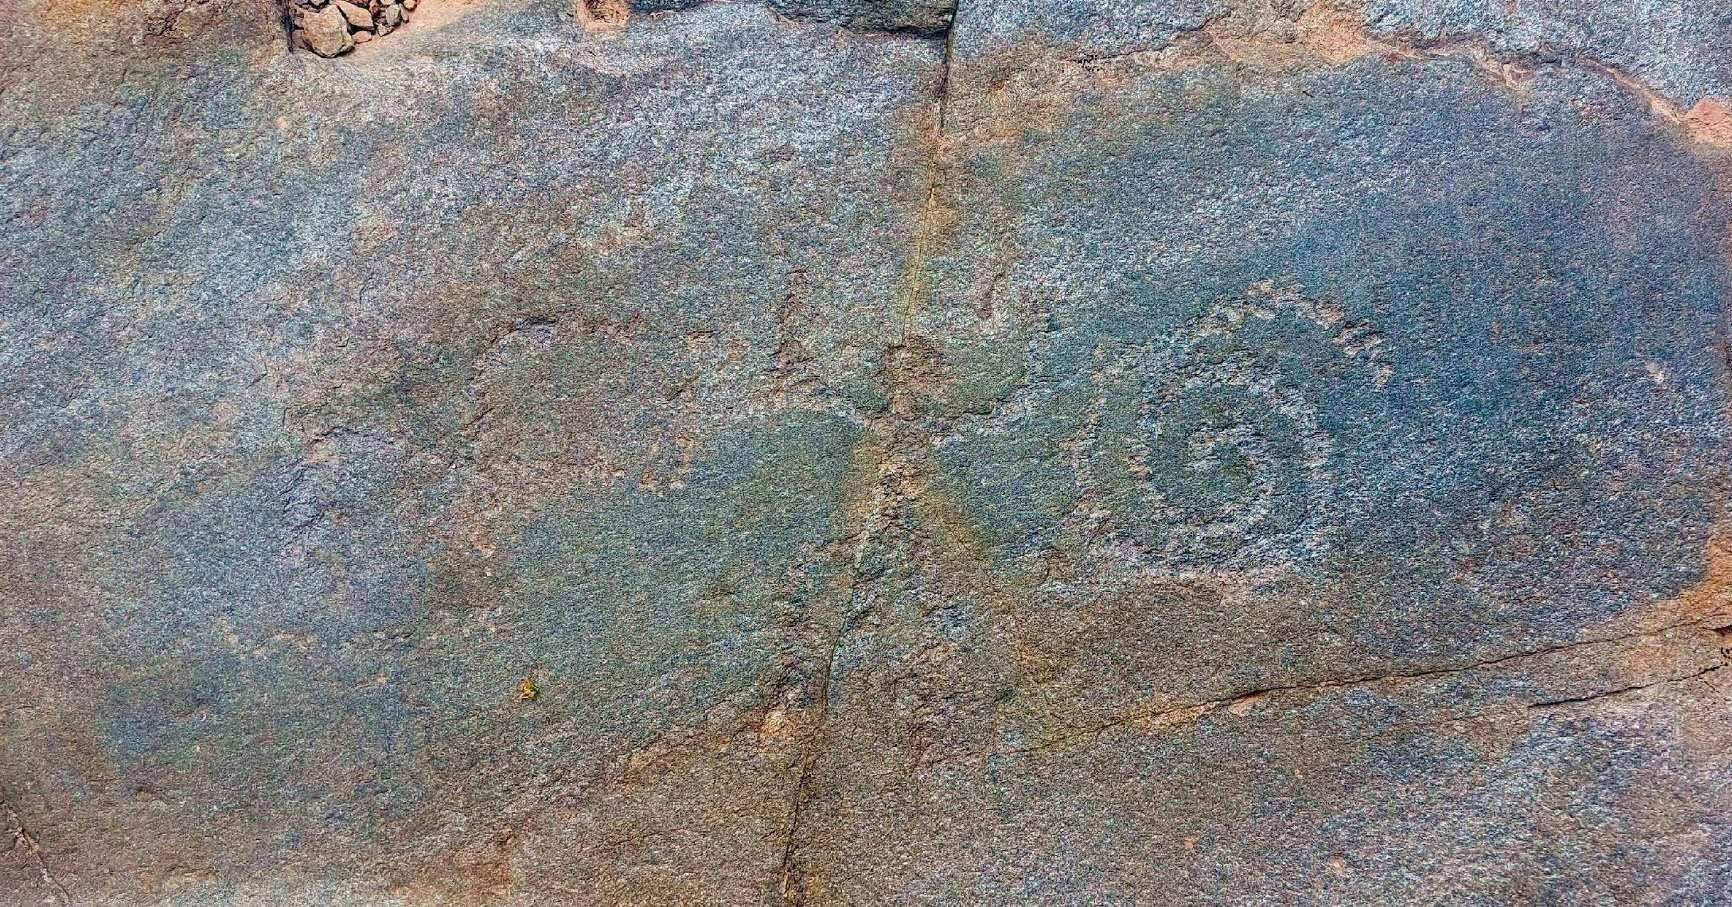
x,y
1621,691
915,18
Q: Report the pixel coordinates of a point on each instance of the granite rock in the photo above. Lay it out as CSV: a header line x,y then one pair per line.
x,y
1147,451
326,31
357,16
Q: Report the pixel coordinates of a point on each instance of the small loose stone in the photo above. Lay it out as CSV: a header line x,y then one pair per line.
x,y
357,16
325,32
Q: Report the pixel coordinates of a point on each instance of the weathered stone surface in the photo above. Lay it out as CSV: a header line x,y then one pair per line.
x,y
357,16
1135,452
325,31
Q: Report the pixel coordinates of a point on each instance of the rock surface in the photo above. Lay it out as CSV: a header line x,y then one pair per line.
x,y
1154,451
325,31
334,30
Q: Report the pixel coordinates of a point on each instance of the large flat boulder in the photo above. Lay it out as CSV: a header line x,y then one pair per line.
x,y
830,453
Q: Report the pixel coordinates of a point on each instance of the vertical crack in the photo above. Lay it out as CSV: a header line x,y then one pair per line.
x,y
944,67
793,878
892,486
1726,339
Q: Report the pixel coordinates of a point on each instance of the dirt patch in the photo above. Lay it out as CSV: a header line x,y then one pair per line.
x,y
602,15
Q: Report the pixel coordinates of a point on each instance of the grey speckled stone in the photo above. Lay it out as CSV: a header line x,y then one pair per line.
x,y
1146,452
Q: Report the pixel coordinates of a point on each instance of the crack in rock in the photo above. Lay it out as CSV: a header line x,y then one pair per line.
x,y
23,839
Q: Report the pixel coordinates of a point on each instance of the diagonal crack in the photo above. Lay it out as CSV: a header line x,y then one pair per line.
x,y
22,838
793,878
1193,710
1633,688
1538,706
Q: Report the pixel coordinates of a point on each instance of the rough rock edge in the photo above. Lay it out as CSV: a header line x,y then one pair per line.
x,y
1331,34
612,15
